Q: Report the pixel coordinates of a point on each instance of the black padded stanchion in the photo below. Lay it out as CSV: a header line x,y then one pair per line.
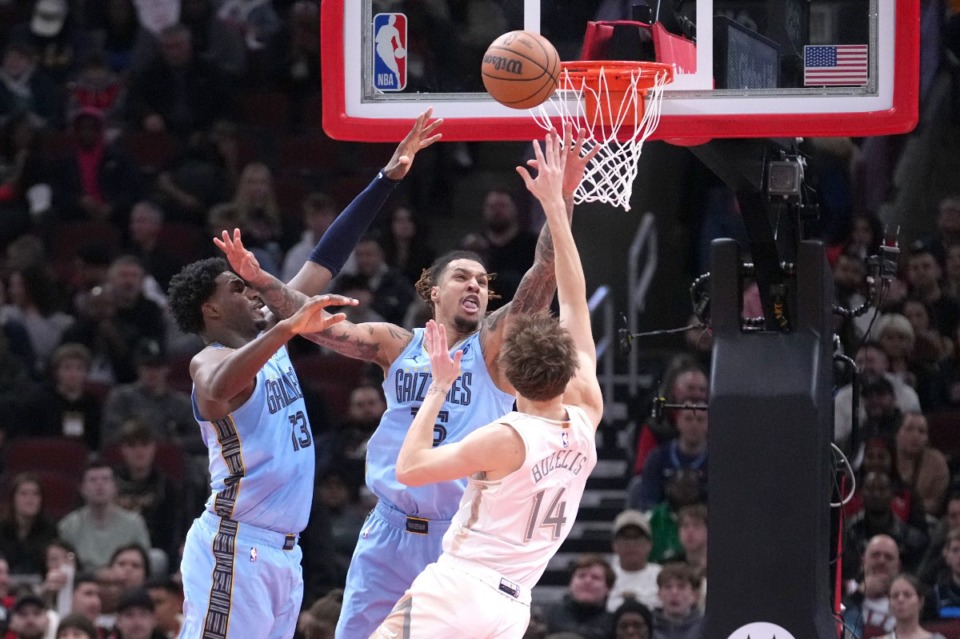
x,y
770,423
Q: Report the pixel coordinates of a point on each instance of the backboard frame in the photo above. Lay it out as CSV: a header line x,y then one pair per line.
x,y
893,107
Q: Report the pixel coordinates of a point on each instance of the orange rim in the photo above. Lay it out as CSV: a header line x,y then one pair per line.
x,y
617,73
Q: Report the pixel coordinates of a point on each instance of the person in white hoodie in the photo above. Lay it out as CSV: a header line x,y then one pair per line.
x,y
636,575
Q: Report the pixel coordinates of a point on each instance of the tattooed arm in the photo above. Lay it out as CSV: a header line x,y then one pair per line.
x,y
377,342
538,285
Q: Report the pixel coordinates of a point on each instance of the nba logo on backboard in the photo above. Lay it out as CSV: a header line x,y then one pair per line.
x,y
390,51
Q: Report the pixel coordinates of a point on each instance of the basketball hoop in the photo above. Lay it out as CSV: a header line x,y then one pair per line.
x,y
618,105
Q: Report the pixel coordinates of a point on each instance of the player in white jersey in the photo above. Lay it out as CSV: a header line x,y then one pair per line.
x,y
241,562
526,470
405,530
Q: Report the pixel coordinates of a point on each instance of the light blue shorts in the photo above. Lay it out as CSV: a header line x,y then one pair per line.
x,y
392,550
239,581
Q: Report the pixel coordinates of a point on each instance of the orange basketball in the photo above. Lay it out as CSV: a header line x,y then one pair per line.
x,y
520,69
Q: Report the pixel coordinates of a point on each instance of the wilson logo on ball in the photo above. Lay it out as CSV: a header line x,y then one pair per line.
x,y
502,64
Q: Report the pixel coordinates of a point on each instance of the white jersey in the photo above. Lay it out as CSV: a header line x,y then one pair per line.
x,y
516,524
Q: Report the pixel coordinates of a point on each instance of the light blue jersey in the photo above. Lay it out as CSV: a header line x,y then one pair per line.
x,y
241,562
473,401
404,533
261,454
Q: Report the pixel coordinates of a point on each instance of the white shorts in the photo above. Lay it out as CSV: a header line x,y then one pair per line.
x,y
458,599
239,581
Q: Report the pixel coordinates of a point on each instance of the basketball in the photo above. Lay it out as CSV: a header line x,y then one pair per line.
x,y
520,69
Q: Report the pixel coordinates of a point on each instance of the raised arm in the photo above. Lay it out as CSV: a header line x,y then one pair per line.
x,y
583,389
539,283
334,248
376,342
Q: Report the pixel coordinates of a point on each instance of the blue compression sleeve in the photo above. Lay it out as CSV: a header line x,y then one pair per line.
x,y
334,248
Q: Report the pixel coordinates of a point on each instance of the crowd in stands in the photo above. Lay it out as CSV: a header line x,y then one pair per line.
x,y
128,139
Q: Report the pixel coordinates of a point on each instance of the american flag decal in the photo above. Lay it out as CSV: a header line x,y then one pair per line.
x,y
835,65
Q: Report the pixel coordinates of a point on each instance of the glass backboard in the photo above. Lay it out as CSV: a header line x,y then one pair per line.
x,y
743,68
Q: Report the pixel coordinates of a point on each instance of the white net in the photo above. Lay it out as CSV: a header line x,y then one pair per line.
x,y
618,120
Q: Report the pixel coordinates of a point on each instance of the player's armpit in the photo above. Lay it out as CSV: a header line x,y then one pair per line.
x,y
212,401
584,389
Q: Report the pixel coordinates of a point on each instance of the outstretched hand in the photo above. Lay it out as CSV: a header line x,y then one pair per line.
x,y
243,262
443,368
420,137
311,318
550,164
576,161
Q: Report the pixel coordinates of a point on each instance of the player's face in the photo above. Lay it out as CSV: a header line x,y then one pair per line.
x,y
461,296
242,308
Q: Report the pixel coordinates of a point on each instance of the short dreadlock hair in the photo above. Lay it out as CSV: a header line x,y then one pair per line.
x,y
538,356
430,277
190,288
